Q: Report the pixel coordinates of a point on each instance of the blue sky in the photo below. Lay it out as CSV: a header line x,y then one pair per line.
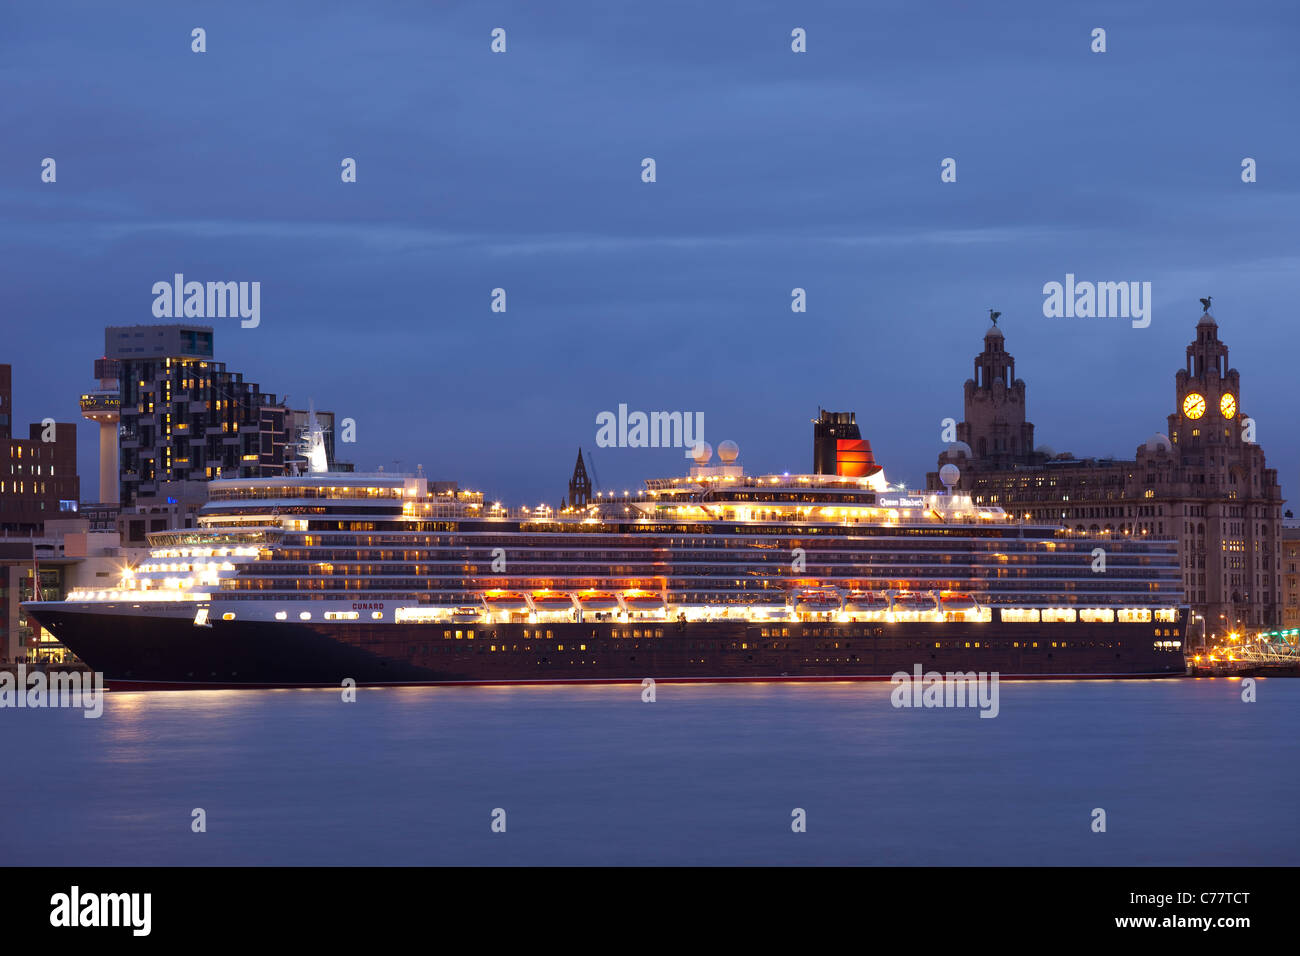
x,y
775,170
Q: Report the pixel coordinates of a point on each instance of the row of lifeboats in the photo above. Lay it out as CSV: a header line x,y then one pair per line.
x,y
834,601
562,602
817,600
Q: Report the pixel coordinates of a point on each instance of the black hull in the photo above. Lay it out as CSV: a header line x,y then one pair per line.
x,y
134,650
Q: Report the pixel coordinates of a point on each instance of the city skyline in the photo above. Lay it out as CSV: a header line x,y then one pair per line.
x,y
673,460
775,171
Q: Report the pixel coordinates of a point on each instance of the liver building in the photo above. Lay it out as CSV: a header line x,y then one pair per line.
x,y
1202,481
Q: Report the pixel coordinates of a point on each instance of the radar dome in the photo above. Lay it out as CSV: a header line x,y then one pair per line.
x,y
702,452
959,448
728,451
949,475
1159,442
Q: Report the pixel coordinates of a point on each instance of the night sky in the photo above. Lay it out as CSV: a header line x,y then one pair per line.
x,y
775,170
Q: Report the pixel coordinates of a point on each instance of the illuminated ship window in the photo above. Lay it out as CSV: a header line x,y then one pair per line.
x,y
1019,615
304,616
376,615
1097,615
228,616
281,615
342,615
1057,615
1135,615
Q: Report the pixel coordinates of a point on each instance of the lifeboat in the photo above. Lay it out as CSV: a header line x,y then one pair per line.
x,y
865,602
643,601
914,601
958,602
598,601
552,601
817,601
506,601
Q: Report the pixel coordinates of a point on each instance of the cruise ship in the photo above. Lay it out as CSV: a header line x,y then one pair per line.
x,y
714,575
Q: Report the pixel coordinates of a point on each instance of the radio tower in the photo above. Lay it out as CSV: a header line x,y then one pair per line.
x,y
104,406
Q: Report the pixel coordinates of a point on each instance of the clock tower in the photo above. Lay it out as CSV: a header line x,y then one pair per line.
x,y
1208,394
1210,477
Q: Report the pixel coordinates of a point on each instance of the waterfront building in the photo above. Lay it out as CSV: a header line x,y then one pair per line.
x,y
1290,572
1202,481
38,476
67,555
186,417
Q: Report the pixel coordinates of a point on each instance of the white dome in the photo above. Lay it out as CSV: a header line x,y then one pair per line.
x,y
1159,442
702,453
949,474
959,448
728,451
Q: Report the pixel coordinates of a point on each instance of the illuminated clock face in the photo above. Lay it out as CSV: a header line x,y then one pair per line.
x,y
1194,406
1228,405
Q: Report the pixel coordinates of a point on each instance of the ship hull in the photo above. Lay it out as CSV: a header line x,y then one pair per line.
x,y
169,651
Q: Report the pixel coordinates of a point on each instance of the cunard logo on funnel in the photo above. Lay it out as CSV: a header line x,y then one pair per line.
x,y
650,430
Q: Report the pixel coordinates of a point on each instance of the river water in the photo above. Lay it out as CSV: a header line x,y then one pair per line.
x,y
1186,772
